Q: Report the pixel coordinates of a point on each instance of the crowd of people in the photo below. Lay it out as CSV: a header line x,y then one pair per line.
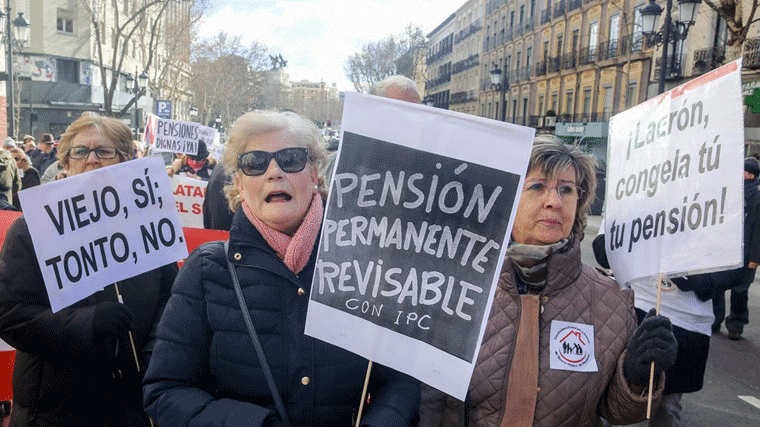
x,y
221,341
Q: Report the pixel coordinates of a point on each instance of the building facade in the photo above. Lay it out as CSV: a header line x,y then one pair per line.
x,y
465,69
438,63
59,70
317,101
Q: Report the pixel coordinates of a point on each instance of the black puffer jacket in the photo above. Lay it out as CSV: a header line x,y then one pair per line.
x,y
61,377
205,370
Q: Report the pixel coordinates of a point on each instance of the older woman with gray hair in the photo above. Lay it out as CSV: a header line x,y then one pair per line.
x,y
561,346
231,348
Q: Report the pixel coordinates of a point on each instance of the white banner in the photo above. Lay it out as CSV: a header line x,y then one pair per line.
x,y
674,202
94,229
188,196
177,136
420,210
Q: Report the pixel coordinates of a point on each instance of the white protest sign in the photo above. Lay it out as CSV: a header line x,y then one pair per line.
x,y
674,202
419,213
177,136
188,197
99,227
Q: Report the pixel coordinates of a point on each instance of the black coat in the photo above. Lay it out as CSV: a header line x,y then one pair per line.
x,y
205,370
216,211
61,377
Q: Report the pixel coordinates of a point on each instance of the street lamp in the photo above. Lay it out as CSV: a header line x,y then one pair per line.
x,y
501,83
429,101
138,87
193,112
12,40
672,31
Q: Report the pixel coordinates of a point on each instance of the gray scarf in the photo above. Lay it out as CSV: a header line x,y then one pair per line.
x,y
530,263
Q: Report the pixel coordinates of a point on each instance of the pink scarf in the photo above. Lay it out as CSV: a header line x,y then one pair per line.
x,y
293,251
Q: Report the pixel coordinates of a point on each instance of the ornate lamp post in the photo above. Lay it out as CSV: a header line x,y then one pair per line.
x,y
12,40
500,82
672,30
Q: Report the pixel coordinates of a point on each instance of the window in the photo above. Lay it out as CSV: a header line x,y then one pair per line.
x,y
614,33
68,70
586,101
65,21
559,44
638,35
593,33
541,105
630,95
569,102
554,101
607,101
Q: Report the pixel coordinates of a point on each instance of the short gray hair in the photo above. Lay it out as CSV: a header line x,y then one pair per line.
x,y
402,82
552,156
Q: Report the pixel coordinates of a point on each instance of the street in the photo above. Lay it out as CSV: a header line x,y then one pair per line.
x,y
731,392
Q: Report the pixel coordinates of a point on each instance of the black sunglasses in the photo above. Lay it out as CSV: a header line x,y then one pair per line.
x,y
291,160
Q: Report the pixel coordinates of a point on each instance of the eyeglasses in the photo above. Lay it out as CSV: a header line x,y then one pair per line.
x,y
566,192
82,152
291,160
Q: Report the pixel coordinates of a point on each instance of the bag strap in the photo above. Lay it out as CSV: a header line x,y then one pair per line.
x,y
255,338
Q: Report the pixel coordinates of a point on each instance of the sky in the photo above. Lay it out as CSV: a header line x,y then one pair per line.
x,y
317,36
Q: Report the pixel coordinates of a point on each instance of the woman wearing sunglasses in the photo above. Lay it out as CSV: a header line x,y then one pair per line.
x,y
205,369
76,367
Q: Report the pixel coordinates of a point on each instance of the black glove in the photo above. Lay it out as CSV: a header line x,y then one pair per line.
x,y
111,320
653,341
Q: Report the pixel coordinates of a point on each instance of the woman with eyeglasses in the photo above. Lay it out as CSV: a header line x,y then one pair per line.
x,y
561,346
76,367
205,369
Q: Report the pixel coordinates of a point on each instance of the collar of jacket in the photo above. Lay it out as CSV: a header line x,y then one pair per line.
x,y
562,269
254,250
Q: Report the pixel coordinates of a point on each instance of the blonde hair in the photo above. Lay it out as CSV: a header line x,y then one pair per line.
x,y
257,123
115,130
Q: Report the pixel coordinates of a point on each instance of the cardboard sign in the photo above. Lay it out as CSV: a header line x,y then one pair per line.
x,y
177,136
674,180
188,197
420,209
99,227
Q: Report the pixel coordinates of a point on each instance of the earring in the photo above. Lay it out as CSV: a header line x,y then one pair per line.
x,y
316,188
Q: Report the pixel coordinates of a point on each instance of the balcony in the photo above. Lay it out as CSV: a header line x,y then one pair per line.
x,y
518,30
751,57
441,80
609,49
462,97
587,55
439,55
559,9
546,16
554,63
574,4
673,70
529,25
541,68
708,59
569,60
467,32
465,64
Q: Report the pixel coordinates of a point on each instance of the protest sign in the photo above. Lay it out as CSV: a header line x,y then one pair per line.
x,y
674,201
93,229
177,136
188,197
417,221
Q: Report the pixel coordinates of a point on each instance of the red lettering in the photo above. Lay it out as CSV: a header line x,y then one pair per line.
x,y
179,191
198,192
197,208
181,207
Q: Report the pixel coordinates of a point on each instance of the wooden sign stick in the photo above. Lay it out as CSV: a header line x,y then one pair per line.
x,y
651,367
364,394
131,338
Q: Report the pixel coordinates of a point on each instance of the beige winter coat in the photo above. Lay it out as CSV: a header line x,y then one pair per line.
x,y
574,292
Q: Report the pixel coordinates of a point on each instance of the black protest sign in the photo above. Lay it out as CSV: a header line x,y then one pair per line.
x,y
411,241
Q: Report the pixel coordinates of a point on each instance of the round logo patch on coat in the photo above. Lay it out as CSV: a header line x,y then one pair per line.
x,y
572,347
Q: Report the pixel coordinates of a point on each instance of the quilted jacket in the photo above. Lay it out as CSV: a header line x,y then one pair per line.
x,y
205,371
574,292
